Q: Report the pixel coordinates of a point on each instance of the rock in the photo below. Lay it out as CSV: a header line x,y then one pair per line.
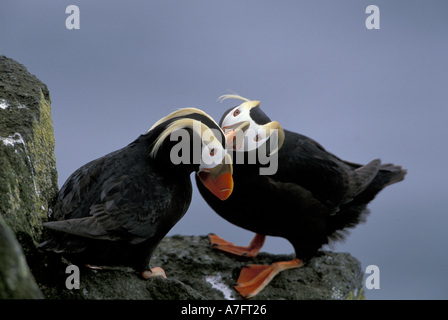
x,y
28,176
211,273
197,272
28,185
16,280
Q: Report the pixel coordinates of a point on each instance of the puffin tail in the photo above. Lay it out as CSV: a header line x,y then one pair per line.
x,y
387,174
355,211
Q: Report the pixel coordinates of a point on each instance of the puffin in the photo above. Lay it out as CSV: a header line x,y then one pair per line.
x,y
310,199
115,210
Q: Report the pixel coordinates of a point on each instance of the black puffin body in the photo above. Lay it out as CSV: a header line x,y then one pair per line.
x,y
115,210
310,200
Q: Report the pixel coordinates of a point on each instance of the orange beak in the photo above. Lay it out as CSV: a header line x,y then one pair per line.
x,y
219,179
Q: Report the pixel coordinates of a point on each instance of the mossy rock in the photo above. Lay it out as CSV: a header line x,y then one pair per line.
x,y
28,175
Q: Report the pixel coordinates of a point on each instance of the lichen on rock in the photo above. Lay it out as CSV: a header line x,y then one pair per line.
x,y
28,175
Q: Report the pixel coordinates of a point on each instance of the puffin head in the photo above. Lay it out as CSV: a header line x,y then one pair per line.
x,y
261,128
201,143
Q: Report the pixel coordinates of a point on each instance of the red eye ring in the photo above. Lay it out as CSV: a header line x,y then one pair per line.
x,y
257,138
212,152
236,112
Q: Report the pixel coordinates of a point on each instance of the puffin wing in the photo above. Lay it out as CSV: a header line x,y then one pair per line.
x,y
308,164
84,227
134,208
77,188
327,176
129,209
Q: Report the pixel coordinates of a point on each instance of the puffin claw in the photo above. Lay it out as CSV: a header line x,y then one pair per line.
x,y
93,267
156,272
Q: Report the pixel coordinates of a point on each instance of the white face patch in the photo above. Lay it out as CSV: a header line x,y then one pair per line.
x,y
235,116
212,154
255,136
265,139
208,152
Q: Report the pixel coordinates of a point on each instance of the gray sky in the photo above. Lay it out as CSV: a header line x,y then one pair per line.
x,y
314,66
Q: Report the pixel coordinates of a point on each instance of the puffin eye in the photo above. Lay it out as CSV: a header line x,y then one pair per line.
x,y
236,112
212,152
257,137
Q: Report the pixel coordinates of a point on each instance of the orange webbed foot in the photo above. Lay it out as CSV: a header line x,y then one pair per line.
x,y
250,251
254,278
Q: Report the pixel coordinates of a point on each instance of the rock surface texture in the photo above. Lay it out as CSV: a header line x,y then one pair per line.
x,y
196,272
28,185
27,163
28,176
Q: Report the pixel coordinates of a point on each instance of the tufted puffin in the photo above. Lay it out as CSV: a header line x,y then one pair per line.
x,y
116,209
310,200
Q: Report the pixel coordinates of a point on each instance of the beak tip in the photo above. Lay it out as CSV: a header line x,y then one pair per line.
x,y
222,187
225,194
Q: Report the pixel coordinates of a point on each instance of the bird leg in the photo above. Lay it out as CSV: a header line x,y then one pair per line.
x,y
250,251
153,273
254,278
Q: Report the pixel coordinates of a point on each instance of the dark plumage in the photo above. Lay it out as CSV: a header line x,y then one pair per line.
x,y
311,199
116,209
